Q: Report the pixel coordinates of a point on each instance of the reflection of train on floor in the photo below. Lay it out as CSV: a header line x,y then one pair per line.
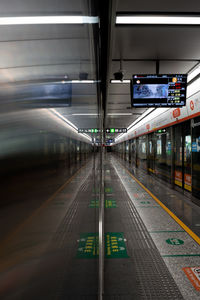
x,y
168,146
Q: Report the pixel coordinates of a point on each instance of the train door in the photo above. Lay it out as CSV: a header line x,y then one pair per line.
x,y
151,153
196,158
178,153
127,150
187,179
134,153
182,149
130,151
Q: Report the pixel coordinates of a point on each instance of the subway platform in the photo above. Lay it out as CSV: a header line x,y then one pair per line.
x,y
149,250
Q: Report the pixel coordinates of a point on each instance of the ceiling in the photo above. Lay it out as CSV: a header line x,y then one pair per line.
x,y
138,47
54,53
37,53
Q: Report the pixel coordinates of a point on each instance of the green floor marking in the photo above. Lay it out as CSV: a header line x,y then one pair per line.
x,y
174,241
143,206
180,255
115,246
145,202
108,190
94,203
163,231
88,245
111,203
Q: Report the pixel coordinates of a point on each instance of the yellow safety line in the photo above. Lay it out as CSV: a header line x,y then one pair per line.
x,y
185,227
36,212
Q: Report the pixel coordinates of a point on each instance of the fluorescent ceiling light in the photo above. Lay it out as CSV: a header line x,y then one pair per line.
x,y
148,115
193,88
55,112
119,81
31,20
85,114
148,111
158,20
118,137
83,81
79,81
119,114
87,136
195,72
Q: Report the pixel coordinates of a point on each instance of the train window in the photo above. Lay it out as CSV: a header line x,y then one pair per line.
x,y
196,158
187,163
159,147
163,154
151,154
178,176
182,144
142,152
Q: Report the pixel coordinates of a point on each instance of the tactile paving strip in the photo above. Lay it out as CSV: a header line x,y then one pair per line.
x,y
154,279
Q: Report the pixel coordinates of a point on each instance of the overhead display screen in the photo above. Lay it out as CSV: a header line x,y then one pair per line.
x,y
158,90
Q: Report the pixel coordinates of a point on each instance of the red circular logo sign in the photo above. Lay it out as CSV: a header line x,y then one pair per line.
x,y
192,105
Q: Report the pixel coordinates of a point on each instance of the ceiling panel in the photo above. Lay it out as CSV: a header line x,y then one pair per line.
x,y
53,70
9,7
159,5
140,45
133,67
42,52
50,31
167,67
37,52
154,42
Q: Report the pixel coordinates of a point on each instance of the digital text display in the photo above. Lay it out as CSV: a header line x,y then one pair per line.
x,y
158,90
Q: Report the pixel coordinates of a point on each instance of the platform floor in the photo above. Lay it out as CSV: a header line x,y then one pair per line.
x,y
53,253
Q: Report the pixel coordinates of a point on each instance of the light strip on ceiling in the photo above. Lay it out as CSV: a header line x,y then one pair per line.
x,y
83,81
39,20
158,20
119,81
145,117
85,114
55,112
147,112
119,114
194,72
193,88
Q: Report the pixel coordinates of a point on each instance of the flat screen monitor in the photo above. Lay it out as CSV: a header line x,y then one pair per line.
x,y
158,90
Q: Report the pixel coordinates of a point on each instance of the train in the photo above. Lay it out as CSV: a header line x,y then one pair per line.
x,y
167,146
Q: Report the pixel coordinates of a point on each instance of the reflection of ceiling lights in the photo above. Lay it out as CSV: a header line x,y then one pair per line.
x,y
70,124
31,20
83,81
85,114
148,115
119,81
193,73
158,20
119,114
147,112
79,81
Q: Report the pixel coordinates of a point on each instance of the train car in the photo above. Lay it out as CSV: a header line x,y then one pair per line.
x,y
168,146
